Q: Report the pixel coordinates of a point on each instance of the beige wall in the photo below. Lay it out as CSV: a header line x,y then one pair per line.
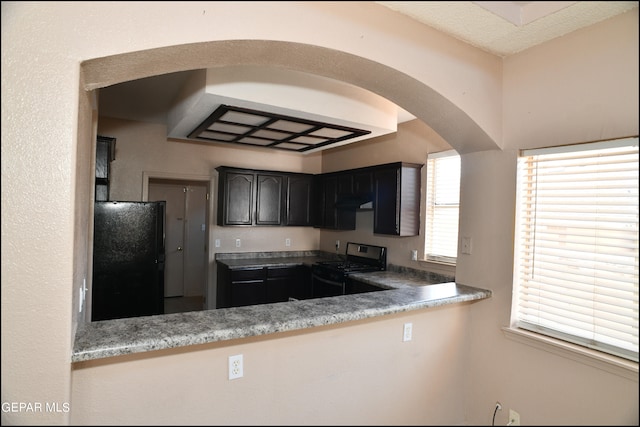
x,y
360,373
580,87
577,88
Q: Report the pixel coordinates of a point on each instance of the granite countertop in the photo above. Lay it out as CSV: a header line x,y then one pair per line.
x,y
396,277
408,290
308,260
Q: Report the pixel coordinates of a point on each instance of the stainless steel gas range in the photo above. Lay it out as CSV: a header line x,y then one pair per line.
x,y
330,278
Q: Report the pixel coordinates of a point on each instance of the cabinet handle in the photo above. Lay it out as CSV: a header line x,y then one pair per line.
x,y
179,248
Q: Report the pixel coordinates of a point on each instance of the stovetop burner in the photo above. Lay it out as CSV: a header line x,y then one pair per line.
x,y
358,257
346,266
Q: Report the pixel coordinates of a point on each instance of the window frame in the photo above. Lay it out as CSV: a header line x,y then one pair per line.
x,y
522,332
431,206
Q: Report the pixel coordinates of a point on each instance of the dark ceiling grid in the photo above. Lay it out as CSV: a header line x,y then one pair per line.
x,y
243,126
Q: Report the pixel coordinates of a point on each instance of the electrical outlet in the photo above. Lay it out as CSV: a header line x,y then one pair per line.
x,y
514,418
408,329
217,243
237,243
414,255
235,367
287,242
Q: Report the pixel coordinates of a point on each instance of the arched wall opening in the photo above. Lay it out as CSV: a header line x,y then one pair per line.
x,y
418,98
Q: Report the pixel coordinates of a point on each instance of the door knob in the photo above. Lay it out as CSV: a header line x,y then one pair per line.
x,y
179,248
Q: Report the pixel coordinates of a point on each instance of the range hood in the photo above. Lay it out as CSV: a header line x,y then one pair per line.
x,y
345,112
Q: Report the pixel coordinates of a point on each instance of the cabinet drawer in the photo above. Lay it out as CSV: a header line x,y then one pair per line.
x,y
282,271
257,273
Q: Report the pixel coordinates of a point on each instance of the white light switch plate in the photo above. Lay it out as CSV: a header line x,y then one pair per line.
x,y
466,245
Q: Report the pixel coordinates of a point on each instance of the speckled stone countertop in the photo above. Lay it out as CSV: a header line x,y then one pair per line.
x,y
273,259
408,290
396,277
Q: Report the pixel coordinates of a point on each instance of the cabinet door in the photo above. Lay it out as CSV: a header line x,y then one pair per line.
x,y
397,200
332,217
363,183
248,286
248,292
317,202
386,212
223,286
279,280
269,199
300,288
237,195
329,197
105,147
298,201
345,184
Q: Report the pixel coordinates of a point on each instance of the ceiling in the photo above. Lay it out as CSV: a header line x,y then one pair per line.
x,y
508,27
502,28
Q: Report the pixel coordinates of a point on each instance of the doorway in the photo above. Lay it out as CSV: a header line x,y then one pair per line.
x,y
186,232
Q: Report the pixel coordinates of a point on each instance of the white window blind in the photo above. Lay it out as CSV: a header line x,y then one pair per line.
x,y
576,245
443,206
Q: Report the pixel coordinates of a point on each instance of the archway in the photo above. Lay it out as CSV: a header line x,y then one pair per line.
x,y
443,116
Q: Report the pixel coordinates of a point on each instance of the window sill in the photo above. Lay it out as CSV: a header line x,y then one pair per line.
x,y
612,364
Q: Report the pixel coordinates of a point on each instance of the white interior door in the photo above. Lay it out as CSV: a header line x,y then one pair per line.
x,y
186,235
174,195
195,259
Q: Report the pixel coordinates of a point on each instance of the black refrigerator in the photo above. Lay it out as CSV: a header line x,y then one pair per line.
x,y
128,259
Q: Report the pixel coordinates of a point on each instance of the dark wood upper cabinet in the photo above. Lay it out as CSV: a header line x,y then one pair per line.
x,y
255,197
105,154
329,187
363,183
396,203
345,183
263,198
299,194
269,192
236,197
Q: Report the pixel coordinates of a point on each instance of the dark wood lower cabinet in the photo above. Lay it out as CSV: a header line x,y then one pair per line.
x,y
261,285
300,288
279,279
248,287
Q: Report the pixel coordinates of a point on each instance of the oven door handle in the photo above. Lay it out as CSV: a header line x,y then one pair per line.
x,y
338,286
330,282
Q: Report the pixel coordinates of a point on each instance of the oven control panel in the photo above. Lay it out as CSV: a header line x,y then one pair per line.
x,y
375,254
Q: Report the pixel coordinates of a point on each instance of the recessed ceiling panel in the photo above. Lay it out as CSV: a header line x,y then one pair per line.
x,y
329,133
276,136
244,126
309,140
243,118
293,127
289,146
234,129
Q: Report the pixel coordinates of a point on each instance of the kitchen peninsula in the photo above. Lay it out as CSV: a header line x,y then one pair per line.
x,y
407,290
